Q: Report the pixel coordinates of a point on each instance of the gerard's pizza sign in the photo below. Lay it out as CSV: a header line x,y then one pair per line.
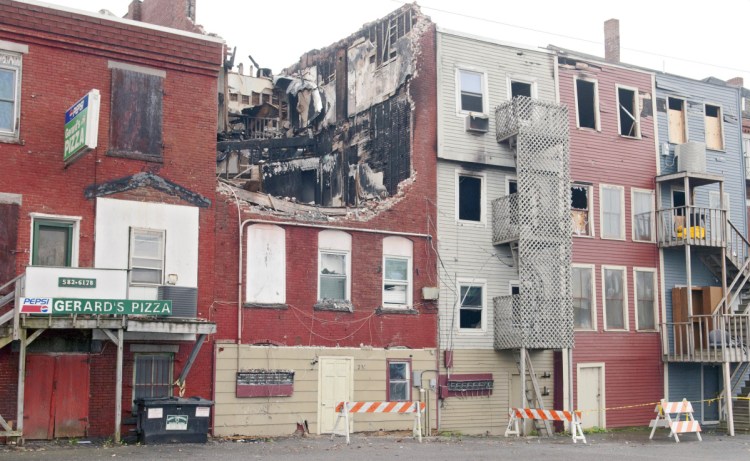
x,y
70,306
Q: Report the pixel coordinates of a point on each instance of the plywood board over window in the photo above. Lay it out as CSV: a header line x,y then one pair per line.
x,y
136,114
677,121
714,132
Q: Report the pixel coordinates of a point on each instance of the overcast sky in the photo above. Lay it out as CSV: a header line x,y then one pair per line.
x,y
690,38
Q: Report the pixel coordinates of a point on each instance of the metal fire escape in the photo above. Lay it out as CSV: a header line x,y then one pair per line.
x,y
536,223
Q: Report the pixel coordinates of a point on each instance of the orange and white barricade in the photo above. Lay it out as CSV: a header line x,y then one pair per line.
x,y
664,418
343,409
574,418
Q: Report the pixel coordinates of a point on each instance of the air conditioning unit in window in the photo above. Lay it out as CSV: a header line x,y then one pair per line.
x,y
691,157
184,300
478,123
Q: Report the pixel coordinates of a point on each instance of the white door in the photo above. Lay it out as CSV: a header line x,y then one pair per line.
x,y
591,395
335,385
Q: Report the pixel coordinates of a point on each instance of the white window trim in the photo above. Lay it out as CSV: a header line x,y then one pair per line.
x,y
474,283
397,249
15,50
626,314
597,112
75,220
656,298
622,211
594,323
592,227
721,126
485,93
684,118
510,78
483,206
342,246
637,109
163,256
633,191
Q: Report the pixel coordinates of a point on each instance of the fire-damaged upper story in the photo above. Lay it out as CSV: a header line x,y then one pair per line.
x,y
333,130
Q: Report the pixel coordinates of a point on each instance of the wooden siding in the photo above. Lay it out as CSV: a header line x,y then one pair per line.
x,y
685,383
499,63
606,157
467,253
489,414
278,416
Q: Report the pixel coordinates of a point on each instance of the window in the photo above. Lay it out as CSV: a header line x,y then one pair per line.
x,y
399,372
677,120
628,113
53,242
397,270
587,103
645,298
612,209
714,130
266,264
10,94
511,186
245,99
136,112
580,209
615,301
334,265
233,97
583,297
520,89
255,98
643,215
471,91
152,376
470,198
146,256
471,306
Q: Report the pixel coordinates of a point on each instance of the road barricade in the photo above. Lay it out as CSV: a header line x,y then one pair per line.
x,y
664,418
574,418
344,409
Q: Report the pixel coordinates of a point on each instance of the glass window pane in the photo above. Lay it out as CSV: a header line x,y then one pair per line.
x,y
646,300
397,370
147,245
613,286
7,84
394,294
332,264
471,318
398,391
147,263
581,278
52,246
396,269
471,296
145,276
612,213
471,82
6,116
332,287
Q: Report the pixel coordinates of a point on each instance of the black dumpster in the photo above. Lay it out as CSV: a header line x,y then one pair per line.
x,y
173,420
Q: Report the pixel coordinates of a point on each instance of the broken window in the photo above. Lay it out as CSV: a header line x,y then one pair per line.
x,y
645,298
334,263
583,297
10,101
136,114
677,120
588,104
471,88
245,99
614,298
580,208
471,306
643,220
627,102
397,263
309,185
520,89
612,206
52,242
714,132
399,372
469,198
266,264
386,32
146,256
233,97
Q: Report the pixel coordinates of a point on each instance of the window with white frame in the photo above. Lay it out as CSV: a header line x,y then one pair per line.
x,y
677,117
628,112
334,265
643,215
612,212
645,298
147,256
399,374
587,103
471,91
615,299
152,375
10,93
521,88
470,197
582,278
397,272
580,209
714,127
471,306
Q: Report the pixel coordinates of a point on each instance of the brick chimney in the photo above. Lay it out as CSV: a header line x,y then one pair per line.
x,y
737,82
612,40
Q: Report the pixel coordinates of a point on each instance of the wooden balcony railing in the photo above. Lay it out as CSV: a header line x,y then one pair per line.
x,y
690,225
708,338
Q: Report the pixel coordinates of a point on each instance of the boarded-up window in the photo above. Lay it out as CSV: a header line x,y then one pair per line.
x,y
614,298
266,264
714,134
136,115
676,114
583,297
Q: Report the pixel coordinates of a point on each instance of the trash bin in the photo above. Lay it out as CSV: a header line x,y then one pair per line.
x,y
173,420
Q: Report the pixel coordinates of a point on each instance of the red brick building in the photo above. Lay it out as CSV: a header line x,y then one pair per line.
x,y
129,218
333,178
